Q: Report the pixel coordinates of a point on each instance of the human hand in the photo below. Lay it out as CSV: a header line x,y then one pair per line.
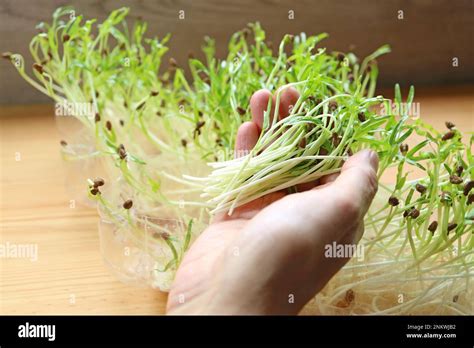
x,y
272,249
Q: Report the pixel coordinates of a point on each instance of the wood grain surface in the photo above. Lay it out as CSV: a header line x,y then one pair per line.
x,y
69,276
423,43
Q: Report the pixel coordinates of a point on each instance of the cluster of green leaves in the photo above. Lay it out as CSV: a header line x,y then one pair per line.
x,y
435,212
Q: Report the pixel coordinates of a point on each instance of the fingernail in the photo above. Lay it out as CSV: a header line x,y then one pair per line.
x,y
373,159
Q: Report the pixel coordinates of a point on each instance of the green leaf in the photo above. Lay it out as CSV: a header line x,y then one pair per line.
x,y
394,132
404,136
417,147
401,182
448,169
167,266
188,235
398,94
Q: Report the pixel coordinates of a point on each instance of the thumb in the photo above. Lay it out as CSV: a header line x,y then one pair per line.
x,y
358,180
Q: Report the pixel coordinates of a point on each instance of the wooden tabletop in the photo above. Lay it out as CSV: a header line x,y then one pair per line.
x,y
69,276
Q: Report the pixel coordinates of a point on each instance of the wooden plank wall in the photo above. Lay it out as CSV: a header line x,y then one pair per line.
x,y
424,42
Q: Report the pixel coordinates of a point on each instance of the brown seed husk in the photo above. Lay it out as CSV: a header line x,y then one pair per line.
x,y
393,201
470,199
414,213
448,135
420,188
99,182
449,125
240,110
433,226
38,68
468,187
404,148
350,296
454,179
128,204
452,226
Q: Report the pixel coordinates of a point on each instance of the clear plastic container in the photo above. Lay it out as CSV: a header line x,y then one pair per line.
x,y
80,157
136,257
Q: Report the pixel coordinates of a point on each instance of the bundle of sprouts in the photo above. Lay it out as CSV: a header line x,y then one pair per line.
x,y
166,144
